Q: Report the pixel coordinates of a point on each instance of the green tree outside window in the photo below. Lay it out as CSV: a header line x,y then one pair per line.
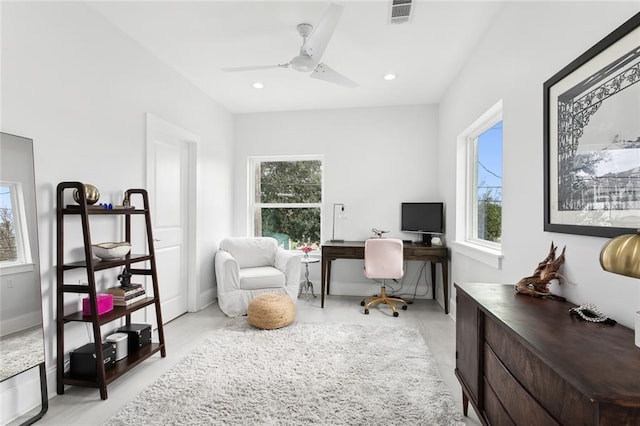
x,y
288,198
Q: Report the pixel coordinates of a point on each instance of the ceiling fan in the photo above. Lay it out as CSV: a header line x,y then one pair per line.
x,y
314,43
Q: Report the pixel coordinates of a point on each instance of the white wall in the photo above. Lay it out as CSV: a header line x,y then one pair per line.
x,y
80,89
528,44
374,158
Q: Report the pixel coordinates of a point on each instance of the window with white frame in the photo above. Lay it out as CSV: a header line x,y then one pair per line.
x,y
14,238
479,220
486,192
285,199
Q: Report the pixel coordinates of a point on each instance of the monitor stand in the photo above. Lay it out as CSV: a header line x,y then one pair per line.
x,y
426,240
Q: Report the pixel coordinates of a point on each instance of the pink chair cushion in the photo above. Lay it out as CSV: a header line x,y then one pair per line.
x,y
383,258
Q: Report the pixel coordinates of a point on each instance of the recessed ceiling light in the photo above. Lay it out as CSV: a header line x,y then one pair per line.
x,y
257,85
389,77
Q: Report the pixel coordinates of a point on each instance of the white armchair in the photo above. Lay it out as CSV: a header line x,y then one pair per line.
x,y
248,267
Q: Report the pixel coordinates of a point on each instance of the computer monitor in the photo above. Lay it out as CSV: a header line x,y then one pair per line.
x,y
423,218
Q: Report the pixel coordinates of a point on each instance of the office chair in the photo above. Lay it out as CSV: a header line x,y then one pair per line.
x,y
383,260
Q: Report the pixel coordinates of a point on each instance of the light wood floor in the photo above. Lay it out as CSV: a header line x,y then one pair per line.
x,y
83,406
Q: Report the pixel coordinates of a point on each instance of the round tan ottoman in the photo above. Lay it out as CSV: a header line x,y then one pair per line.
x,y
271,310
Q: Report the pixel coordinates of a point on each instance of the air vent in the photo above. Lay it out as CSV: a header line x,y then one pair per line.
x,y
400,11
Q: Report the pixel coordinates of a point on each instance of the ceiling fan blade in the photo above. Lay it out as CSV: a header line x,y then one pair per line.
x,y
253,68
323,72
318,40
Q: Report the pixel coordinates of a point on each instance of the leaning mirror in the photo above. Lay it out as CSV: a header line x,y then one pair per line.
x,y
21,335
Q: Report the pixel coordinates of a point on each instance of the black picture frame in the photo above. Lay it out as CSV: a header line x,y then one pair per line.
x,y
576,199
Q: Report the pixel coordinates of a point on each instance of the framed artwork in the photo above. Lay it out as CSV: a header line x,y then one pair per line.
x,y
592,139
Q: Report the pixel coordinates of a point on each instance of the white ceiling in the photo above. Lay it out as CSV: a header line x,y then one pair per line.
x,y
198,38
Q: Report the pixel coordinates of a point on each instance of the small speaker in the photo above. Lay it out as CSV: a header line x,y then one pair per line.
x,y
121,342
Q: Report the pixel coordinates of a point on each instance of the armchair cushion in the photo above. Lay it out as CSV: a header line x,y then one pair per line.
x,y
251,252
248,267
261,277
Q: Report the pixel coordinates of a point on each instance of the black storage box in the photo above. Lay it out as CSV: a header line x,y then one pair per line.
x,y
139,335
83,359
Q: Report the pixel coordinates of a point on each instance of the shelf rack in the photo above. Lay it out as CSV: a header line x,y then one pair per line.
x,y
91,265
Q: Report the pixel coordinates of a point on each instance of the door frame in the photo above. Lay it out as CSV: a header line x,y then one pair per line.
x,y
157,125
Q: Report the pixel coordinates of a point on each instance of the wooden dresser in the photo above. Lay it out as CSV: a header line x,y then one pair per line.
x,y
525,361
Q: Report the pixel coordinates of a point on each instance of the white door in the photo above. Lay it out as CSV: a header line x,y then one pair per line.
x,y
169,188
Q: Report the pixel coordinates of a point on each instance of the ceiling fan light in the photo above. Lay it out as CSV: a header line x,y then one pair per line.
x,y
389,76
303,63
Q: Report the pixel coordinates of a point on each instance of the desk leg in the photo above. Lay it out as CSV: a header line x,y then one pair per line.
x,y
325,277
445,284
329,276
433,279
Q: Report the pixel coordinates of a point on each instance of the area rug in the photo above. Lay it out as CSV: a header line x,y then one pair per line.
x,y
307,373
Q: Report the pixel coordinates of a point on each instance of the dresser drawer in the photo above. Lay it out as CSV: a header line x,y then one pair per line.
x,y
517,403
561,400
493,409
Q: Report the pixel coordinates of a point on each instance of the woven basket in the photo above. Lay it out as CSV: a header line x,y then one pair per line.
x,y
271,310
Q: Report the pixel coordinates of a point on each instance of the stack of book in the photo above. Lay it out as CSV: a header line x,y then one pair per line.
x,y
127,295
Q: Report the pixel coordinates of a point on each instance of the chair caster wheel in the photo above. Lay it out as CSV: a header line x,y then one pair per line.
x,y
366,312
362,303
395,314
404,307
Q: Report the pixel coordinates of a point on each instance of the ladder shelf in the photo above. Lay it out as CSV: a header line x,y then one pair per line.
x,y
91,265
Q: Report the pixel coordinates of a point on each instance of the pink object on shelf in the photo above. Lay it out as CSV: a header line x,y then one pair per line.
x,y
105,304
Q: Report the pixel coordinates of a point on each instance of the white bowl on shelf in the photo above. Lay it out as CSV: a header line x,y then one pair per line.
x,y
111,251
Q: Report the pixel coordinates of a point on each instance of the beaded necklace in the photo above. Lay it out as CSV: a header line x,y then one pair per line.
x,y
589,312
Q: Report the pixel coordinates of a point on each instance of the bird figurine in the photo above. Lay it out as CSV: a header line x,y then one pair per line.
x,y
378,233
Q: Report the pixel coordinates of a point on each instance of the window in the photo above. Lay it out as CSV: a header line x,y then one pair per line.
x,y
286,199
486,193
14,239
479,221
